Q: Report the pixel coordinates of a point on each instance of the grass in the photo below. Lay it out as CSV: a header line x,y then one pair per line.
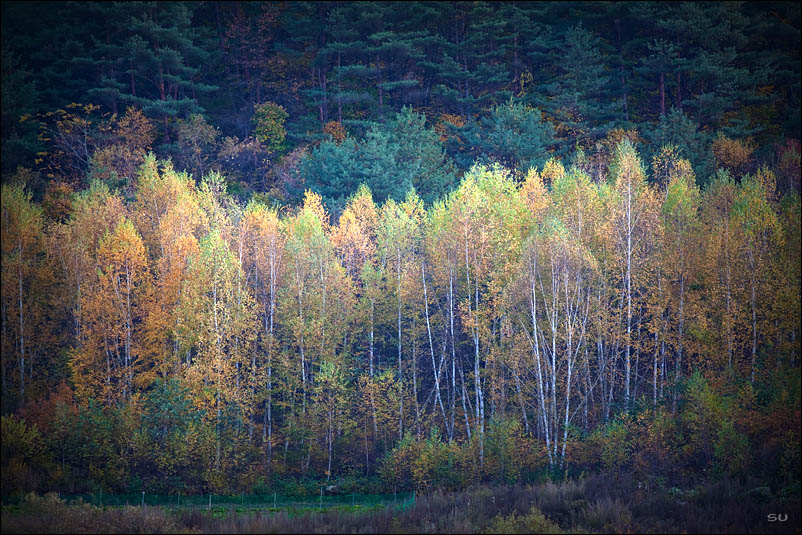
x,y
598,504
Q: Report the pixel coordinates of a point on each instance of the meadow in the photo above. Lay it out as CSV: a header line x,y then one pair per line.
x,y
596,504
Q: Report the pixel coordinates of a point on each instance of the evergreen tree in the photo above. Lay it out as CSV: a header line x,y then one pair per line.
x,y
19,101
157,68
512,134
678,130
583,99
391,160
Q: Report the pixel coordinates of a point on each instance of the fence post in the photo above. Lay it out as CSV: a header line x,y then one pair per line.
x,y
210,501
143,498
321,497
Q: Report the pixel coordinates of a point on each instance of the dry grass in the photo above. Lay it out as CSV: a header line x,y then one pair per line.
x,y
598,504
48,514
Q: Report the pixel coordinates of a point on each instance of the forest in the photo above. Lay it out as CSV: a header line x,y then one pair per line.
x,y
397,246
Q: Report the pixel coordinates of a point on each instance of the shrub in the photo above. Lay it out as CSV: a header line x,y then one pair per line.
x,y
732,450
532,522
608,515
268,121
733,154
23,455
49,514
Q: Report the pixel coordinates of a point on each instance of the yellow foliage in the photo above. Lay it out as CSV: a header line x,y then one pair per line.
x,y
734,155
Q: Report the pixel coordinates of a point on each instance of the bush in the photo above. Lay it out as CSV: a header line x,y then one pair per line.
x,y
607,515
23,455
49,514
268,121
732,450
505,455
532,522
734,155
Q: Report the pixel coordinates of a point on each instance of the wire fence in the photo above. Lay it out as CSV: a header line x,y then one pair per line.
x,y
237,501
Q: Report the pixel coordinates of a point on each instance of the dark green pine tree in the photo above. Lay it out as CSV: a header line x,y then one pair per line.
x,y
417,27
158,65
472,67
420,159
396,54
19,101
50,39
391,53
583,99
774,48
349,73
523,43
513,134
709,36
304,24
392,159
333,170
662,62
677,129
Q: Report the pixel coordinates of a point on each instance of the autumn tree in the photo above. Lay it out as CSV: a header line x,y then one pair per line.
x,y
219,323
264,265
22,253
680,224
114,304
633,216
755,222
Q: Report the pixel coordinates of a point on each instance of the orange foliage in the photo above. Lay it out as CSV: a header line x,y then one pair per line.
x,y
42,411
336,130
57,203
734,155
442,125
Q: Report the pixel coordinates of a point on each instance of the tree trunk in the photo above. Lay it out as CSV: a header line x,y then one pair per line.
x,y
754,317
453,350
21,331
400,377
629,288
435,371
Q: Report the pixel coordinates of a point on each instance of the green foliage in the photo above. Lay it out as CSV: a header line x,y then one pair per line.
x,y
268,123
396,467
162,80
391,160
512,134
583,98
24,455
702,407
531,522
440,464
731,450
613,445
332,170
505,450
91,446
678,130
19,102
169,439
428,464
